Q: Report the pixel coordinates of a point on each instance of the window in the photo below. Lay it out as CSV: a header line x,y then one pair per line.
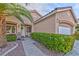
x,y
64,30
8,29
11,29
64,15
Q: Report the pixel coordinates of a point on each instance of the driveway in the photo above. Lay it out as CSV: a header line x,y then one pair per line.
x,y
75,50
30,49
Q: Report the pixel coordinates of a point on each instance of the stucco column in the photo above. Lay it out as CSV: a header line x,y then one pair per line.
x,y
32,27
73,29
3,41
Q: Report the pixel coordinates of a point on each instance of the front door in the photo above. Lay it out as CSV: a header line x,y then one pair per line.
x,y
28,30
23,31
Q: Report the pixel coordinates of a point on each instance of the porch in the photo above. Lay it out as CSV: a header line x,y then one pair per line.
x,y
18,29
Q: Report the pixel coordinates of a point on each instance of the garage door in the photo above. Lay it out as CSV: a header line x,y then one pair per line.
x,y
64,30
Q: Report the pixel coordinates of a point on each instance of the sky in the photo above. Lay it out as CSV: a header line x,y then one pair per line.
x,y
44,8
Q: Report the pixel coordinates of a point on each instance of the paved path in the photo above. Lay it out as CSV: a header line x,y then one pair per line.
x,y
75,50
30,49
19,51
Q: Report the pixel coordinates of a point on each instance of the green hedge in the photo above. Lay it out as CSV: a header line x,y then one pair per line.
x,y
57,42
11,37
76,35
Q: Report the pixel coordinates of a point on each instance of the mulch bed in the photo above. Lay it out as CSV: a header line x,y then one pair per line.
x,y
9,46
46,51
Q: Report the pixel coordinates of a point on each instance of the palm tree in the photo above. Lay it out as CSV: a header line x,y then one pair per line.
x,y
16,10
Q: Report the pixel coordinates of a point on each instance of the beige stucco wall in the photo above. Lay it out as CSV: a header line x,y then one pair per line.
x,y
51,23
35,15
46,25
67,16
14,20
66,20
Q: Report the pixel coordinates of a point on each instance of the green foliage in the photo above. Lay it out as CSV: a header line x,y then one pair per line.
x,y
16,10
11,37
77,32
77,28
76,35
57,42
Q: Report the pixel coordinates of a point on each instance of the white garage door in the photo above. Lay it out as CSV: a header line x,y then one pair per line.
x,y
64,30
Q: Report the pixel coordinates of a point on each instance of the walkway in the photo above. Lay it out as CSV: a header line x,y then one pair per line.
x,y
30,49
19,51
75,50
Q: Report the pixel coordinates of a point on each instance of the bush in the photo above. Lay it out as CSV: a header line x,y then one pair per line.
x,y
76,35
57,42
11,37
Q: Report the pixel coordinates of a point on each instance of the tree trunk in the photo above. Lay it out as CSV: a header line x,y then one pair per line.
x,y
3,41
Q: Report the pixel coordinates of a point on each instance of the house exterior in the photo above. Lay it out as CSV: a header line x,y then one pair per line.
x,y
58,21
14,26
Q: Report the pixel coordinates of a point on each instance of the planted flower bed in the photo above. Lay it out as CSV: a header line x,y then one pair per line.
x,y
57,42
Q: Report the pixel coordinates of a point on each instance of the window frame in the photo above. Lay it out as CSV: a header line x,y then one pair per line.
x,y
11,25
64,28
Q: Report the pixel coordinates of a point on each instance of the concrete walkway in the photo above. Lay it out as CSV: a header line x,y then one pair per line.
x,y
75,50
19,51
30,49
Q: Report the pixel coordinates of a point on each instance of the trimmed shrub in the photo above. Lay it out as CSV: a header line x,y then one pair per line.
x,y
57,42
11,37
76,35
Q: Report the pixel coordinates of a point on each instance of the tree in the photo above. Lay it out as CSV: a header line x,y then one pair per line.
x,y
9,9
